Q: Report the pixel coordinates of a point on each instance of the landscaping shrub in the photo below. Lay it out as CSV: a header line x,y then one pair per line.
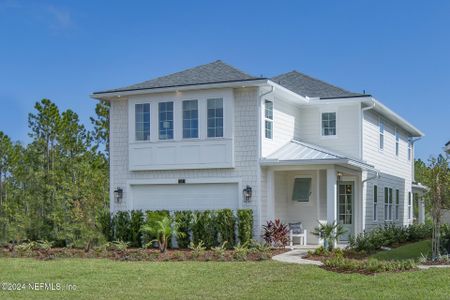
x,y
245,225
136,222
226,227
105,221
445,239
204,228
184,221
151,217
341,264
276,233
121,223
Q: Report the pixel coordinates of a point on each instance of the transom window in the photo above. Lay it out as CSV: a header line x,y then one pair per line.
x,y
190,119
165,120
387,204
375,202
302,189
328,123
397,141
381,134
268,114
142,121
215,117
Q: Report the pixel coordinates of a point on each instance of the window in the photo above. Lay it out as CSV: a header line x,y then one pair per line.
x,y
381,134
397,204
387,204
328,123
268,115
302,189
142,121
409,150
166,120
375,202
190,119
409,206
215,118
397,141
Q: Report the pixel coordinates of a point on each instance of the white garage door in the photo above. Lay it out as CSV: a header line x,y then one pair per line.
x,y
185,196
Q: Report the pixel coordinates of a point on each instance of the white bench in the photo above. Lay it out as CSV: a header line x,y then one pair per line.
x,y
296,230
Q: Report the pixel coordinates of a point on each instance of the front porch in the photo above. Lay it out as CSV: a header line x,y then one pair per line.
x,y
308,184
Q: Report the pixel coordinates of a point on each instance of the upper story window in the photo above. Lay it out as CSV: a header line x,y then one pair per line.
x,y
328,123
215,117
190,119
381,134
142,119
397,141
409,150
165,120
268,115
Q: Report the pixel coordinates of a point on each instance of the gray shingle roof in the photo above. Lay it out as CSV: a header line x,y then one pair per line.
x,y
305,85
214,72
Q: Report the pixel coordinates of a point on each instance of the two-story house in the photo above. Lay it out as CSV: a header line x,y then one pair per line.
x,y
289,147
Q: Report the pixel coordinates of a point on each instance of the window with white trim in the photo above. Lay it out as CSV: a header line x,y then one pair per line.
x,y
328,123
142,121
268,116
397,204
397,142
381,133
215,117
409,206
387,204
165,120
375,202
190,119
409,150
302,189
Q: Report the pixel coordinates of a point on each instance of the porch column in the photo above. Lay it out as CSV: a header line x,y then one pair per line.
x,y
421,204
331,195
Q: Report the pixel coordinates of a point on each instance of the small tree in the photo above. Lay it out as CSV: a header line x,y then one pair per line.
x,y
437,180
163,230
330,233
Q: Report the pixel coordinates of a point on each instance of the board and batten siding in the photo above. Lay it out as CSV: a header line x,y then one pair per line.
x,y
396,171
246,163
347,140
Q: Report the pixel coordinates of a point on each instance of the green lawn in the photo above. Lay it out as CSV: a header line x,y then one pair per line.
x,y
409,251
106,279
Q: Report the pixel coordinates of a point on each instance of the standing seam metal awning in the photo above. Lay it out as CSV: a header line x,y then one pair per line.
x,y
296,152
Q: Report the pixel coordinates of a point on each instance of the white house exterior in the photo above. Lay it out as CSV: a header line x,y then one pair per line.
x,y
309,151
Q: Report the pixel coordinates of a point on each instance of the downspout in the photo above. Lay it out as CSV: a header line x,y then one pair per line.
x,y
362,119
259,144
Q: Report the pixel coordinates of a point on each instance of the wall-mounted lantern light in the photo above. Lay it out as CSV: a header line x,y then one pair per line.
x,y
118,195
247,192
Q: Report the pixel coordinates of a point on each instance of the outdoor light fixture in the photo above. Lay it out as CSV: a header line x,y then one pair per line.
x,y
118,194
247,193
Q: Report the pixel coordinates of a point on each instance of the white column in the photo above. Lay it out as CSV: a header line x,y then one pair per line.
x,y
270,195
421,210
331,195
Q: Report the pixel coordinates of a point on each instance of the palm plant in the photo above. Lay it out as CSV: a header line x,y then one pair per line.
x,y
330,233
163,230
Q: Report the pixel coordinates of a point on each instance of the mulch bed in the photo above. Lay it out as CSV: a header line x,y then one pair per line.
x,y
139,254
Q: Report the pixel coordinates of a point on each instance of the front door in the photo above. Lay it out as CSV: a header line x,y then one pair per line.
x,y
345,208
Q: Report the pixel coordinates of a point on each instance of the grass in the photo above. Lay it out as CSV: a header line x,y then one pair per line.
x,y
106,279
409,251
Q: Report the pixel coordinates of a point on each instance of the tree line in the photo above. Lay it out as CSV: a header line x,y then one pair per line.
x,y
56,187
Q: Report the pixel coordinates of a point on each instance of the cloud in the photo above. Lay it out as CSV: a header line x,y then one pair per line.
x,y
61,16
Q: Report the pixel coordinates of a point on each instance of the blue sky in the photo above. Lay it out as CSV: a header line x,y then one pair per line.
x,y
398,51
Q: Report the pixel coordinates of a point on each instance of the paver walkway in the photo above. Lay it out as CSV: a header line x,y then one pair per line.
x,y
296,257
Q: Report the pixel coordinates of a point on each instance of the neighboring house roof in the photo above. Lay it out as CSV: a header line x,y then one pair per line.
x,y
301,152
215,72
305,85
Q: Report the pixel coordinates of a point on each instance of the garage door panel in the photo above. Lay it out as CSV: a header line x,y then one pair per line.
x,y
185,196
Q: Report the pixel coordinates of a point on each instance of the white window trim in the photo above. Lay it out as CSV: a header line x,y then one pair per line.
x,y
268,119
206,120
381,133
198,121
410,205
397,204
321,125
173,121
389,203
375,203
135,140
